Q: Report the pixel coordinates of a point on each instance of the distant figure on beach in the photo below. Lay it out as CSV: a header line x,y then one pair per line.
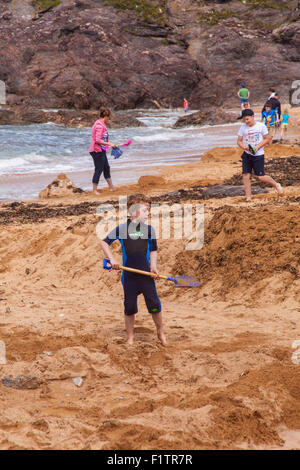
x,y
272,93
284,124
245,106
139,250
185,105
275,104
252,137
97,149
244,95
270,119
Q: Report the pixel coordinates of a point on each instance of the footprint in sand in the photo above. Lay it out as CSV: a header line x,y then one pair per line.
x,y
142,329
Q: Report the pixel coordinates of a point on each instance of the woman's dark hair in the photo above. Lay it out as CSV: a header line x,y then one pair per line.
x,y
104,112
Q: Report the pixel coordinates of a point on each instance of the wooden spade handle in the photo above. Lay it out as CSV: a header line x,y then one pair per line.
x,y
146,273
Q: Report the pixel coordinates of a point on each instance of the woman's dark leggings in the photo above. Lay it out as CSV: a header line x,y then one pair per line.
x,y
101,164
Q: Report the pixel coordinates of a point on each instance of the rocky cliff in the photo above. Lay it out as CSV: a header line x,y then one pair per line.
x,y
140,53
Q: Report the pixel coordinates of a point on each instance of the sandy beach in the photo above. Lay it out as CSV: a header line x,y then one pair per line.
x,y
167,82
229,377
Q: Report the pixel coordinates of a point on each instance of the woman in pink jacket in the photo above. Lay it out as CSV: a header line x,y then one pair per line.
x,y
99,141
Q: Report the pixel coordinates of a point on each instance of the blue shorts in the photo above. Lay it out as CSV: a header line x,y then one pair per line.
x,y
253,162
136,284
244,100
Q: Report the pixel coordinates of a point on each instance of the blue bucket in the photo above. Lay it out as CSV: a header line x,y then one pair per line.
x,y
116,152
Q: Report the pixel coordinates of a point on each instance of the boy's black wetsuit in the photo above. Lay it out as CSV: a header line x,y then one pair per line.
x,y
137,241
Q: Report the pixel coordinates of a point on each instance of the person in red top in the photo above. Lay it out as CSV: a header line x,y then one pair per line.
x,y
97,149
185,105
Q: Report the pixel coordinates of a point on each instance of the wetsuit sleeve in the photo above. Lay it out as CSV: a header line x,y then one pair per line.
x,y
112,236
152,239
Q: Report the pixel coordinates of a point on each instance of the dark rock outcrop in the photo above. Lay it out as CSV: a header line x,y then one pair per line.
x,y
22,382
61,186
87,55
212,117
223,190
23,115
289,36
83,54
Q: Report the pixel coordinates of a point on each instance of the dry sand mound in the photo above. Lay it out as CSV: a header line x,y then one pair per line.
x,y
244,246
150,181
221,154
231,154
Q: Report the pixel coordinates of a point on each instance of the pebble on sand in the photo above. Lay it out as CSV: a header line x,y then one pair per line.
x,y
77,381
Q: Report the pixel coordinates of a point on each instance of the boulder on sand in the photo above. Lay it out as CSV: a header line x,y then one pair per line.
x,y
62,186
213,116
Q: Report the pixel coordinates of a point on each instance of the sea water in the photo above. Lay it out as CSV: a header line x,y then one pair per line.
x,y
32,156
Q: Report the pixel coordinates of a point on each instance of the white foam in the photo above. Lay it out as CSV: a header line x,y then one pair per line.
x,y
50,123
212,126
166,136
11,163
31,162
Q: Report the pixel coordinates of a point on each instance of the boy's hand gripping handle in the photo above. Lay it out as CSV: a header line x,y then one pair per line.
x,y
106,264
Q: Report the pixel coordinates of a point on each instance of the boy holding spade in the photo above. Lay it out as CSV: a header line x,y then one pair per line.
x,y
139,250
252,137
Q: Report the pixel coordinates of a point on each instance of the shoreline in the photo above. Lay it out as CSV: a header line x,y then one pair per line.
x,y
218,164
212,168
31,182
35,182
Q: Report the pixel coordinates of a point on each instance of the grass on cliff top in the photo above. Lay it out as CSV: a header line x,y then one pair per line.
x,y
147,10
213,17
40,5
279,4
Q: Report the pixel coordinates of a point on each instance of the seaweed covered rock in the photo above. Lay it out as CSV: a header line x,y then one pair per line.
x,y
62,186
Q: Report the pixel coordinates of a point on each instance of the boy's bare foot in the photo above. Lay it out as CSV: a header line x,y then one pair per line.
x,y
130,340
162,338
279,189
112,188
248,199
96,192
